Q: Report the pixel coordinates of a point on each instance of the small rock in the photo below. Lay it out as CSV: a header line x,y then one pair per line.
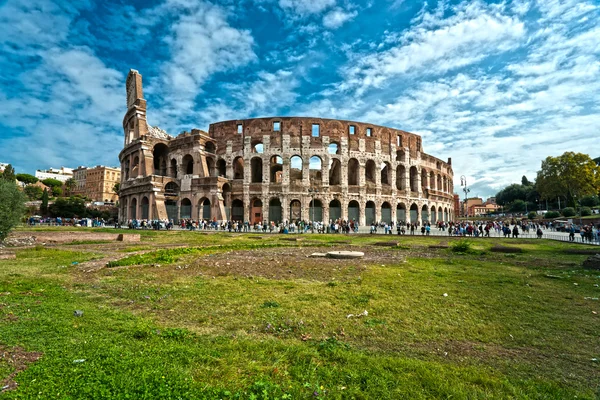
x,y
445,294
78,313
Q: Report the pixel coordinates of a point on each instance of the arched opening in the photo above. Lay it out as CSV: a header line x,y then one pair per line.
x,y
275,210
238,168
334,148
188,164
446,215
256,170
400,156
433,215
432,182
210,166
237,210
222,168
185,209
370,213
439,183
315,166
171,206
353,211
171,189
226,193
335,171
173,171
414,213
424,214
401,212
400,177
386,212
445,181
295,210
440,214
145,208
296,169
204,211
335,210
276,168
370,171
209,147
353,171
256,211
160,153
315,210
385,171
135,168
257,147
424,176
127,169
414,179
133,209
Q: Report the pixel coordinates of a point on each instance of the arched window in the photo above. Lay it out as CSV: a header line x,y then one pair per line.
x,y
276,169
353,171
160,153
315,166
188,164
296,169
334,148
370,171
335,171
238,168
256,166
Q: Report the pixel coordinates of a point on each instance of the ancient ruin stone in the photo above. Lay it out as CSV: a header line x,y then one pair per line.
x,y
592,262
345,254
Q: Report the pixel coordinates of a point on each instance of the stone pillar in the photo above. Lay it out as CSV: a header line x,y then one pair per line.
x,y
407,187
419,188
361,214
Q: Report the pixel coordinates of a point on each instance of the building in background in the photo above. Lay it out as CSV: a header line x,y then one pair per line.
x,y
80,176
100,182
457,205
62,174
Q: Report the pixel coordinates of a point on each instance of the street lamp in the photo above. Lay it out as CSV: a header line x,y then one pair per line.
x,y
313,192
463,183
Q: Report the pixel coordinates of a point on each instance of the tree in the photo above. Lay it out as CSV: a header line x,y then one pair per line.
x,y
518,205
590,201
117,188
68,207
57,191
511,193
52,183
597,161
44,205
27,178
585,211
525,181
8,174
70,184
552,214
572,175
12,207
33,192
569,212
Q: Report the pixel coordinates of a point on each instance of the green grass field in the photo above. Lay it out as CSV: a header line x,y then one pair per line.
x,y
184,315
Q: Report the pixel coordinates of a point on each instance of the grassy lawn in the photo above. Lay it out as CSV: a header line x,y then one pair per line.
x,y
188,315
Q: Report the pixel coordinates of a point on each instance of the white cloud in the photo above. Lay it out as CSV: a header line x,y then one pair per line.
x,y
338,17
306,7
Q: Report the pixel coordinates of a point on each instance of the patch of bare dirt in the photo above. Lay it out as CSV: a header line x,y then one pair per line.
x,y
18,359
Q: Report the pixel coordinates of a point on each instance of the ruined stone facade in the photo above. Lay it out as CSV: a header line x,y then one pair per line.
x,y
279,169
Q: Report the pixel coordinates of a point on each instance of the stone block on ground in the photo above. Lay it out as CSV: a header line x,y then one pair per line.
x,y
128,238
345,254
592,262
8,256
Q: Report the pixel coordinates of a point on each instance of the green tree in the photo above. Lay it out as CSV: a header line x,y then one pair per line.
x,y
52,183
44,205
525,181
57,191
531,215
572,175
8,174
513,192
590,201
569,212
68,207
70,184
12,207
117,188
33,192
552,214
585,211
27,178
597,161
518,206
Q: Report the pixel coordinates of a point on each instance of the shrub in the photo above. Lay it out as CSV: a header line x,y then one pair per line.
x,y
552,214
532,215
12,207
585,211
461,246
568,212
270,304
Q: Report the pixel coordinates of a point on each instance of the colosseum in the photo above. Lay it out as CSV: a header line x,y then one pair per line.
x,y
278,169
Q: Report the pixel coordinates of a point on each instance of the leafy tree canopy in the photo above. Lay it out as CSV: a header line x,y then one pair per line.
x,y
525,181
12,206
68,207
51,182
590,201
33,192
27,178
572,175
44,205
8,174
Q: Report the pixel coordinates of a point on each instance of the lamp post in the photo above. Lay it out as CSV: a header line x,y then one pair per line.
x,y
313,192
463,183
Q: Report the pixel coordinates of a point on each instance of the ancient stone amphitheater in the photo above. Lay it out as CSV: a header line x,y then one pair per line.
x,y
279,169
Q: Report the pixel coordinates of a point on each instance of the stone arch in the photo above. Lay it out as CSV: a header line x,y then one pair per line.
x,y
335,171
424,176
334,148
386,212
414,213
315,169
433,217
413,179
370,171
257,146
446,216
237,210
385,173
173,171
210,147
188,164
334,126
401,212
135,167
185,209
145,208
424,213
439,183
432,182
124,209
400,155
296,168
276,171
256,214
204,209
401,177
295,210
370,212
133,209
256,170
335,210
353,172
275,210
440,216
353,211
222,167
210,166
160,153
238,168
315,210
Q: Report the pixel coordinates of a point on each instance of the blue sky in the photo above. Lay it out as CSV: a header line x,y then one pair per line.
x,y
497,86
